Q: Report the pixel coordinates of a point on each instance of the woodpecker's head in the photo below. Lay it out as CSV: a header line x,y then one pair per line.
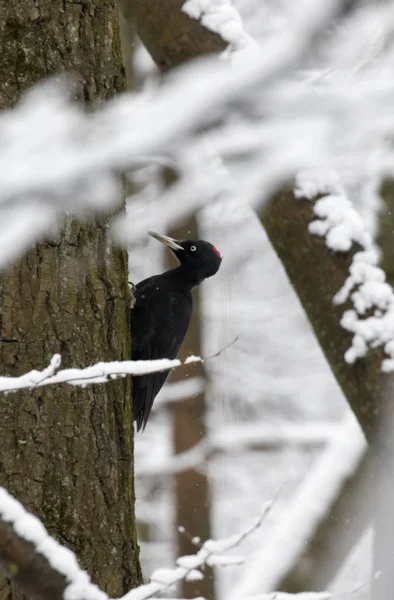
x,y
196,256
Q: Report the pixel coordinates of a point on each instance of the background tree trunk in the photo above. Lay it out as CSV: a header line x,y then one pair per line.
x,y
67,452
337,535
192,495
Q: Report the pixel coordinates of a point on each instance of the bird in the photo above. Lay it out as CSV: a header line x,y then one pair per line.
x,y
161,314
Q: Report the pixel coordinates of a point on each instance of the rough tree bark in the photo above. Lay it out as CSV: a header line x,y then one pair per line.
x,y
67,453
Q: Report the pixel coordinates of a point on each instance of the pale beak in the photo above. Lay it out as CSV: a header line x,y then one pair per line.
x,y
167,241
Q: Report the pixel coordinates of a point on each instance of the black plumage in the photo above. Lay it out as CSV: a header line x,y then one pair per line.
x,y
162,312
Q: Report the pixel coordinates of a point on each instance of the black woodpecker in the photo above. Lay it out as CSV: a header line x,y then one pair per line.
x,y
162,312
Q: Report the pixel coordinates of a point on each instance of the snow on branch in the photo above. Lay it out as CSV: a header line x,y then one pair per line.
x,y
56,159
371,320
40,566
211,553
285,596
283,544
45,570
99,373
221,17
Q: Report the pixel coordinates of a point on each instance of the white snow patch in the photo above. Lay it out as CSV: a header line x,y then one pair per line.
x,y
187,566
285,596
366,287
192,359
194,576
310,504
221,17
98,373
196,540
313,182
29,528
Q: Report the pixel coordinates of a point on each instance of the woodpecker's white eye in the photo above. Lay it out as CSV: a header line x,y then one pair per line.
x,y
193,248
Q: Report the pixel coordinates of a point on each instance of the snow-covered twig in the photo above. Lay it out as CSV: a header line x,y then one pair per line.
x,y
53,572
211,553
47,571
99,373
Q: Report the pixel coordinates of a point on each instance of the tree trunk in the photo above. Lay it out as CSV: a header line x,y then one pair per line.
x,y
169,35
383,582
338,533
67,452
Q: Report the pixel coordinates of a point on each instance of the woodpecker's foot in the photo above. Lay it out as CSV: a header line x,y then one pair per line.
x,y
132,289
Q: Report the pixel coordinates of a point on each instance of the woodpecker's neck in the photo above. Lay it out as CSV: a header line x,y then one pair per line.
x,y
187,277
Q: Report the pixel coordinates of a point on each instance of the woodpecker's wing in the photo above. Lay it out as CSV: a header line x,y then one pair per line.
x,y
146,387
154,338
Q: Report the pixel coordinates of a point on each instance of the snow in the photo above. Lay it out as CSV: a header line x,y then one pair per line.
x,y
366,287
192,359
164,464
221,17
97,373
312,182
188,562
211,551
234,439
181,390
196,540
79,586
225,561
28,527
284,596
267,436
55,159
231,440
337,222
194,576
310,504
